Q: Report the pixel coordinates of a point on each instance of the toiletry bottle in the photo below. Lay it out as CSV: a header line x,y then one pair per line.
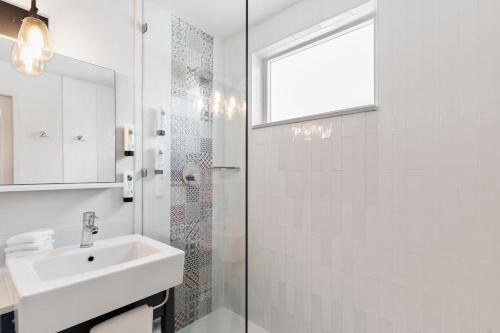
x,y
161,122
128,186
159,161
129,140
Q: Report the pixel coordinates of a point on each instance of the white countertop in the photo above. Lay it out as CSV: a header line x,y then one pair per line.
x,y
8,297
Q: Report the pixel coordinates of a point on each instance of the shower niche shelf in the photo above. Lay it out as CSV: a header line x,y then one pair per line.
x,y
226,168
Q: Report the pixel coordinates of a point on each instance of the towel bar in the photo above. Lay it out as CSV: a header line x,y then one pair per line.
x,y
162,303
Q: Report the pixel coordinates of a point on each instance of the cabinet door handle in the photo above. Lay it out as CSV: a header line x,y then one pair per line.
x,y
80,138
43,134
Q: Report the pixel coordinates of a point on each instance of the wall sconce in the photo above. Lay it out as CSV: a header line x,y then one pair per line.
x,y
33,46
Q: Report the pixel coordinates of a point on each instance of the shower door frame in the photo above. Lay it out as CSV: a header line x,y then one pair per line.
x,y
246,160
138,210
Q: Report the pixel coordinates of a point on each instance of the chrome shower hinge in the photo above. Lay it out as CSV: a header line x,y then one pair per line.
x,y
144,28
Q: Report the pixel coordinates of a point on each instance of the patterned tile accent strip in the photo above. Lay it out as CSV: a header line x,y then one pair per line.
x,y
191,208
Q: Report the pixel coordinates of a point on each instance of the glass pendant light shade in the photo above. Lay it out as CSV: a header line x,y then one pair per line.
x,y
33,46
24,61
35,37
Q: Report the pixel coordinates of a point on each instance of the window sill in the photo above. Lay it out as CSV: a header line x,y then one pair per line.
x,y
331,114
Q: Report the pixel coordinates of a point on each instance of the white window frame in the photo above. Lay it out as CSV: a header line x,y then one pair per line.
x,y
324,32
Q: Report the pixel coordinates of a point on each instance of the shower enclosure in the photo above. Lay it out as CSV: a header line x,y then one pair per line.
x,y
193,138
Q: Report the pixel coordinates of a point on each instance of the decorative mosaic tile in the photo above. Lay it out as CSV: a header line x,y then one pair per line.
x,y
205,306
206,145
178,232
178,106
206,176
180,318
191,207
193,127
179,243
206,128
178,145
193,211
193,194
206,193
178,221
192,256
192,157
205,240
205,243
205,259
205,161
192,304
178,196
206,211
179,160
177,214
178,125
193,145
176,177
192,279
192,230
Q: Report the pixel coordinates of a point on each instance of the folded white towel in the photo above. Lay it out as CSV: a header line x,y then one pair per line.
x,y
30,246
30,237
138,320
29,252
33,241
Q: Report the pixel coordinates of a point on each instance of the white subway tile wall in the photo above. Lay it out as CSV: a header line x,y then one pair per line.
x,y
387,221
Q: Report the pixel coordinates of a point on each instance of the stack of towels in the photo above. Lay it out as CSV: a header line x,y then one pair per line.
x,y
31,242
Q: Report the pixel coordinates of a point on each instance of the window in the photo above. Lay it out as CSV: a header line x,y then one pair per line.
x,y
319,76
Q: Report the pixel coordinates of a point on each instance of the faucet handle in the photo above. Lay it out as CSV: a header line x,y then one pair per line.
x,y
89,217
89,229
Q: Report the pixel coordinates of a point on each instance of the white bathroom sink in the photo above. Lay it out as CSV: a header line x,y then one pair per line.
x,y
64,287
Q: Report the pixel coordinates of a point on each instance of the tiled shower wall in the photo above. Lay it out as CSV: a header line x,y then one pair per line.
x,y
387,221
191,206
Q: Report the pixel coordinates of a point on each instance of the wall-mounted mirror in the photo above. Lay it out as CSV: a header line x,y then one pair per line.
x,y
58,127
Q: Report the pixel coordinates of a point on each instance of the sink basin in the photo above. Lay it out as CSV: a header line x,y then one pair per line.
x,y
64,287
72,263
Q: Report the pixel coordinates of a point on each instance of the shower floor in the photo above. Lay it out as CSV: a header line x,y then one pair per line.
x,y
222,320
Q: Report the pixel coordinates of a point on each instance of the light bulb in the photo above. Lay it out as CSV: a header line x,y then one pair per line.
x,y
34,36
25,62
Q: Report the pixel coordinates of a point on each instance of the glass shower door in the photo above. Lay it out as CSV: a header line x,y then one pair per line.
x,y
194,116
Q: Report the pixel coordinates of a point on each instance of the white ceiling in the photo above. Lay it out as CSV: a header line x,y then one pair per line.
x,y
224,18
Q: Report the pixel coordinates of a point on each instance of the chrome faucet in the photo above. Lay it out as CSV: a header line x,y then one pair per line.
x,y
89,229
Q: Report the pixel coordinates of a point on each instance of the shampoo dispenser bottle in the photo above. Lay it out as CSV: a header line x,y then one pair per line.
x,y
129,140
128,186
161,122
159,161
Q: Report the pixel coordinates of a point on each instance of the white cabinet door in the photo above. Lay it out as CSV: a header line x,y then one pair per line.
x,y
79,127
37,128
105,134
6,141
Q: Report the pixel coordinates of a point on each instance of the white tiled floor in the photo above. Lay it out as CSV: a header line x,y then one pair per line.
x,y
222,320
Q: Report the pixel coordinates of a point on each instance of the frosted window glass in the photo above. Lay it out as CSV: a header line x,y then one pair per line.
x,y
332,75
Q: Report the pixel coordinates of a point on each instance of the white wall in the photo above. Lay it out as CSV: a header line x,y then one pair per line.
x,y
392,223
100,32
